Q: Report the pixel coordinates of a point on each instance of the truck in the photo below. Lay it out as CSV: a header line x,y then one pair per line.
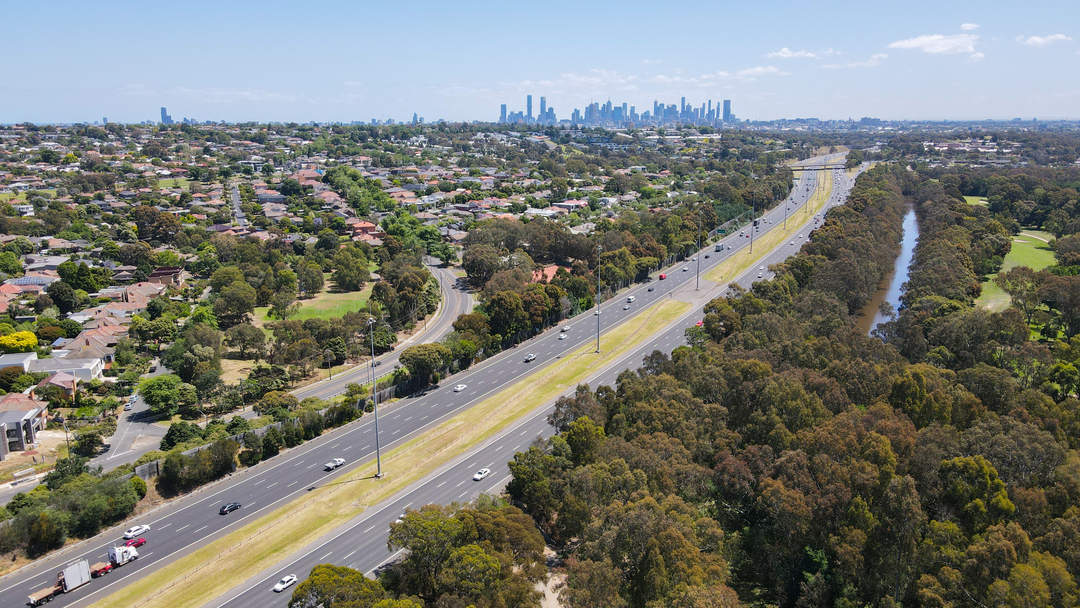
x,y
119,556
75,575
718,247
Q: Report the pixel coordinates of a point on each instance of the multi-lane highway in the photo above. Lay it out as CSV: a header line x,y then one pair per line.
x,y
361,543
192,520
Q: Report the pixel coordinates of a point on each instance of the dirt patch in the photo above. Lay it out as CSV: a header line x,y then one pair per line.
x,y
40,459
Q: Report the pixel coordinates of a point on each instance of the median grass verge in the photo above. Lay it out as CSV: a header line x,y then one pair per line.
x,y
197,578
743,260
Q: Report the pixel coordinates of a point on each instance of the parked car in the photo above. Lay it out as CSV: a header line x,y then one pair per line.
x,y
135,531
228,508
286,581
135,542
333,464
482,473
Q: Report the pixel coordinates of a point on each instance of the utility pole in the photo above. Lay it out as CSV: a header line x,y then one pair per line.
x,y
599,249
375,400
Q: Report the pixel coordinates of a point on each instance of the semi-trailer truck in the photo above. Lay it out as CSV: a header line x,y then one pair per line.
x,y
73,576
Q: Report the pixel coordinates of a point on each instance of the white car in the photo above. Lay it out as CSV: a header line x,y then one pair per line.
x,y
565,328
562,336
482,473
135,531
286,581
530,357
333,464
626,307
459,388
685,268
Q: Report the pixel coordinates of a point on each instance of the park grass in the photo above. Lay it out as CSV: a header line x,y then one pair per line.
x,y
325,305
976,200
235,370
195,579
1029,248
743,260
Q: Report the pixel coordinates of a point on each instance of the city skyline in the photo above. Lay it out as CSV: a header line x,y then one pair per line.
x,y
623,114
920,60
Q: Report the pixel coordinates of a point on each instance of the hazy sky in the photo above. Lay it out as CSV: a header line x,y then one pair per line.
x,y
237,60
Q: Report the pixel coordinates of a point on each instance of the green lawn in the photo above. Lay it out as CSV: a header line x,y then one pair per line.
x,y
6,197
976,200
1029,248
172,182
326,305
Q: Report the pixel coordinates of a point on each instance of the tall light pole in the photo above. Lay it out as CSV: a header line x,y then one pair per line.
x,y
599,249
375,400
697,271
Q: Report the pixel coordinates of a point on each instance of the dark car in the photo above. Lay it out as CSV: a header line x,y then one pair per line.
x,y
229,508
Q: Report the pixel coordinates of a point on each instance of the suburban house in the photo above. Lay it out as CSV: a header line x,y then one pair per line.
x,y
21,419
83,369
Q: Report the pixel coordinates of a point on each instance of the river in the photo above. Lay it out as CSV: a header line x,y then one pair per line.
x,y
870,316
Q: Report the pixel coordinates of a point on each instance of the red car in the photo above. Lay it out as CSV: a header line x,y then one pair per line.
x,y
663,276
135,542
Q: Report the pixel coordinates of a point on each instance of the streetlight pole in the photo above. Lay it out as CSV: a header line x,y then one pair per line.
x,y
599,249
697,271
375,400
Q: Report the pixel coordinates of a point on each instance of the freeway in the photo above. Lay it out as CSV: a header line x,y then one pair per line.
x,y
191,520
362,542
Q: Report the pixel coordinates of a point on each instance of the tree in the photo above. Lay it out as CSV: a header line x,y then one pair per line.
x,y
87,443
424,360
1023,285
480,263
47,532
62,295
247,339
283,305
167,394
332,586
235,302
350,269
309,278
18,342
470,572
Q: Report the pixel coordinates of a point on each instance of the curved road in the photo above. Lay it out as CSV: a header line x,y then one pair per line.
x,y
192,519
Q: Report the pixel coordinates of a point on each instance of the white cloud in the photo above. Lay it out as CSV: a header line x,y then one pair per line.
x,y
968,27
874,61
652,61
760,70
939,44
978,56
786,53
1043,40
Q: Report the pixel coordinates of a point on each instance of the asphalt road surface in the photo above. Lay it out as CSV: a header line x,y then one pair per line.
x,y
192,520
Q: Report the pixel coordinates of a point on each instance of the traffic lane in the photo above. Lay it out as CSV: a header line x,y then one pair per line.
x,y
396,431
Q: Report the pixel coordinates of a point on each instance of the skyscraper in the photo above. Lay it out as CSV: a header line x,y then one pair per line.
x,y
528,108
502,113
543,106
727,111
165,118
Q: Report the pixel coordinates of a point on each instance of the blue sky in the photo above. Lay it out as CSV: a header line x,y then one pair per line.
x,y
267,60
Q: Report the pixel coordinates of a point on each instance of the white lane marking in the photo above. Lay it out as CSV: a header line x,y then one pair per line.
x,y
460,484
292,484
441,484
463,494
407,418
200,529
165,526
325,556
350,554
271,485
183,527
367,529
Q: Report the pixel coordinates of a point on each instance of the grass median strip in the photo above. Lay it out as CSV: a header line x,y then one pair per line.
x,y
196,578
743,260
